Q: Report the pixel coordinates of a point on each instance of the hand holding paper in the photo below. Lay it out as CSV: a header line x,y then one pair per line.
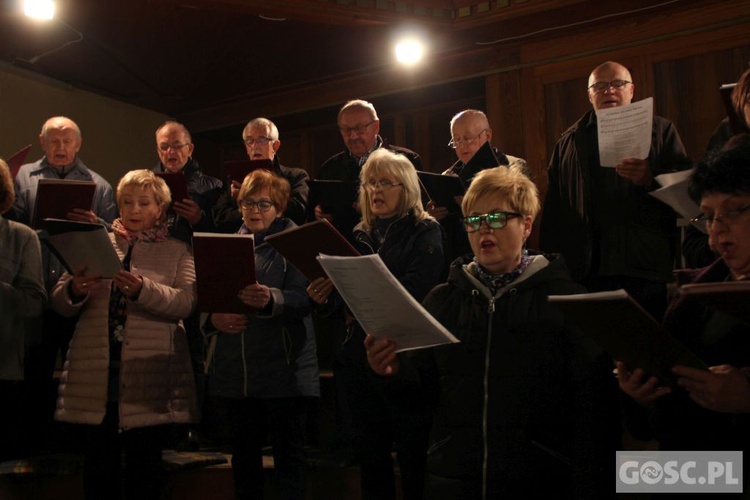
x,y
383,307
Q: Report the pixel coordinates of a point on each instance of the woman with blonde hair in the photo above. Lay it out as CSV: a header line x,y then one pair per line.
x,y
527,405
128,372
395,226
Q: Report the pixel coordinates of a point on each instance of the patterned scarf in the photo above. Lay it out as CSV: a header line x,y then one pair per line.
x,y
159,232
495,283
118,301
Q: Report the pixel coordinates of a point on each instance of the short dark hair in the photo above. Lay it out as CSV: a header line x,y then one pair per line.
x,y
726,170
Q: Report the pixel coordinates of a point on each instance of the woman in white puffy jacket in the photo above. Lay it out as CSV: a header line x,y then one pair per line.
x,y
128,370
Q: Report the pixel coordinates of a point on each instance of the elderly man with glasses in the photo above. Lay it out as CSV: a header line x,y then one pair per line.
x,y
360,129
261,139
471,138
611,232
175,149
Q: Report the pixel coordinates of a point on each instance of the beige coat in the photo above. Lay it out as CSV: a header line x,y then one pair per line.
x,y
156,378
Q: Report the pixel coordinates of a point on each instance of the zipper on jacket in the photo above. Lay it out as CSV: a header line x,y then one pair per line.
x,y
244,364
287,341
490,312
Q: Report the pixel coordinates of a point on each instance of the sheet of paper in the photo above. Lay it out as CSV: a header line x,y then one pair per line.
x,y
90,249
625,131
381,304
674,192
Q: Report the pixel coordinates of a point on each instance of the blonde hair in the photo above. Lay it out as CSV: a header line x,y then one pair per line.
x,y
7,191
504,183
148,181
278,188
384,162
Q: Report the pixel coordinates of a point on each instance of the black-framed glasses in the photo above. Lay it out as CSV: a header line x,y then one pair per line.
x,y
359,129
263,206
728,218
457,142
260,141
602,86
175,147
382,184
494,220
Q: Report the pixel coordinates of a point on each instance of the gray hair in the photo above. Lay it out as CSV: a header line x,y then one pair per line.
x,y
273,132
60,122
359,104
176,124
470,114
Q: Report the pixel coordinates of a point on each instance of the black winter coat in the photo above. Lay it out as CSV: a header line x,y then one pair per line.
x,y
522,389
204,190
413,253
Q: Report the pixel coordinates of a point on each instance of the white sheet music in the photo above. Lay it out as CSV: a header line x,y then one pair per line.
x,y
625,131
383,307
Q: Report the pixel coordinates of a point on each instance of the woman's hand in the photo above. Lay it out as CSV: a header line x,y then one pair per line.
x,y
256,296
81,282
439,213
724,388
229,323
381,356
130,284
643,392
320,289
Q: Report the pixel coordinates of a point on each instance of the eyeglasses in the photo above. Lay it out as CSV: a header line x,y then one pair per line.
x,y
457,142
494,220
263,206
602,86
260,141
728,218
382,184
359,129
174,147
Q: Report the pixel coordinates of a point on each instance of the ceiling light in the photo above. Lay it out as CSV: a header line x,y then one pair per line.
x,y
409,51
39,9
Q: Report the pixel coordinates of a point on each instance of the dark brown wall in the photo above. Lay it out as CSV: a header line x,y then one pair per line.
x,y
532,91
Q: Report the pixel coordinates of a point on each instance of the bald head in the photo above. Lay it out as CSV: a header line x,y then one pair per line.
x,y
610,85
60,140
470,130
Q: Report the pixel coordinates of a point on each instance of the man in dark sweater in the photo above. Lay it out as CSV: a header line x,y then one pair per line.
x,y
360,128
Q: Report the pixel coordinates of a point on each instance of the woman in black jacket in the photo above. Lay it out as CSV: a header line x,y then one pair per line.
x,y
395,226
526,405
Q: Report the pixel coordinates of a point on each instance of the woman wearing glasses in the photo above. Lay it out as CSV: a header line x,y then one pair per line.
x,y
525,402
678,418
395,225
264,367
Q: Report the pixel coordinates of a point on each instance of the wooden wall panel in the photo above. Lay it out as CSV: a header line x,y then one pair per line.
x,y
687,90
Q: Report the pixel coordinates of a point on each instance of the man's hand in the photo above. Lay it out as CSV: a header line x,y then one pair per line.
x,y
320,214
724,388
635,170
234,189
642,392
188,210
81,215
